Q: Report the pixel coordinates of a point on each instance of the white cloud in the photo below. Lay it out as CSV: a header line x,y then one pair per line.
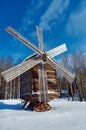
x,y
77,21
54,11
37,4
30,13
26,20
76,26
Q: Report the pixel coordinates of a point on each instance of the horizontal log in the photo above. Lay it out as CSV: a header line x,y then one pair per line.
x,y
51,72
53,96
53,81
51,77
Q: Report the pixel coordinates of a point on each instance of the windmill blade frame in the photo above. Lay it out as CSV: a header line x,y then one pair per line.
x,y
15,71
67,74
21,38
40,38
57,50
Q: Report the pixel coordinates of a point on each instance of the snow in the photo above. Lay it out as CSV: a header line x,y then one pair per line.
x,y
65,115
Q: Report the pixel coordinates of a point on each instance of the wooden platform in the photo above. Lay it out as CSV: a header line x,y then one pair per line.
x,y
37,106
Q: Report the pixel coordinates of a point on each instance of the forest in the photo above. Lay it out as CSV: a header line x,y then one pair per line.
x,y
76,63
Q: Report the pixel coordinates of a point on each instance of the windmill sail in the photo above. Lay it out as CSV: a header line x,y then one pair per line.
x,y
40,38
58,50
14,72
68,75
23,39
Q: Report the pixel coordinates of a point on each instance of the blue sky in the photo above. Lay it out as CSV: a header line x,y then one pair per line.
x,y
62,21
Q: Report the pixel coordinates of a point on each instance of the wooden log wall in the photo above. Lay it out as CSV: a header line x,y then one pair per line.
x,y
29,84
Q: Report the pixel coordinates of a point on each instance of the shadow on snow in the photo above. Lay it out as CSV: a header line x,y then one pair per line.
x,y
10,106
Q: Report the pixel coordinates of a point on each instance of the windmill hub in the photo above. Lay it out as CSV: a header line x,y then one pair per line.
x,y
44,57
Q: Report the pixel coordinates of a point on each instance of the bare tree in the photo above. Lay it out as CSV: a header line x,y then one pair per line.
x,y
2,68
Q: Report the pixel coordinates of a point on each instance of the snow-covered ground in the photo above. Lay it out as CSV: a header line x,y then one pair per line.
x,y
65,115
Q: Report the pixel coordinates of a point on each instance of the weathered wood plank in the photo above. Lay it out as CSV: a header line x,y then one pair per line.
x,y
19,69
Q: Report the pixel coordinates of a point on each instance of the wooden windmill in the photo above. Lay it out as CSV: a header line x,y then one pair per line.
x,y
40,59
